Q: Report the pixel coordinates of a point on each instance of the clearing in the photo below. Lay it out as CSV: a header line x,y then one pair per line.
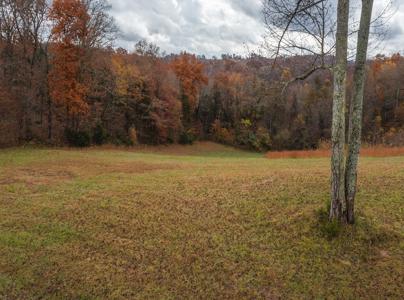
x,y
197,222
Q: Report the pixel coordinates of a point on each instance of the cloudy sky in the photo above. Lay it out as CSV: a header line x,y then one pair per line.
x,y
212,27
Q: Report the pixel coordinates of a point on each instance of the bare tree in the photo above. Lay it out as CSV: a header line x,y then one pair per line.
x,y
101,28
22,35
338,115
356,109
300,27
306,27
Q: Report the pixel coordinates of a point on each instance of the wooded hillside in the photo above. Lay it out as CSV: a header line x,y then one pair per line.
x,y
62,83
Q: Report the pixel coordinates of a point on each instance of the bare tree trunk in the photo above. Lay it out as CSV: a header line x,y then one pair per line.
x,y
49,119
337,208
356,109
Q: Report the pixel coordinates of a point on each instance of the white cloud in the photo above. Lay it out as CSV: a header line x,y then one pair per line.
x,y
394,36
210,27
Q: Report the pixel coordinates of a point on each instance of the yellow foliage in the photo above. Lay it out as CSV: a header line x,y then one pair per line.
x,y
286,74
126,75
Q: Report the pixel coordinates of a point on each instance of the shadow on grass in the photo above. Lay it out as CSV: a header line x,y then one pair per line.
x,y
364,233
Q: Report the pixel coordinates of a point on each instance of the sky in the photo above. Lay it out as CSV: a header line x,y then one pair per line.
x,y
213,27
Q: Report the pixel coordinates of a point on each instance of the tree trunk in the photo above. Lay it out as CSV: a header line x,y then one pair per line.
x,y
337,208
49,120
356,109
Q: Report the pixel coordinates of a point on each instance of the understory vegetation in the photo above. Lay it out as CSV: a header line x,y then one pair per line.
x,y
204,221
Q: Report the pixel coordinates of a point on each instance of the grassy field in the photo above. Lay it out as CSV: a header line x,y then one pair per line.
x,y
198,222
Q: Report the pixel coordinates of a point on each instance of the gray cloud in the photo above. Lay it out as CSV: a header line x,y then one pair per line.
x,y
209,27
251,8
393,32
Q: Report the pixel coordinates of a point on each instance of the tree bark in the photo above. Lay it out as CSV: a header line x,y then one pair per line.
x,y
356,109
337,208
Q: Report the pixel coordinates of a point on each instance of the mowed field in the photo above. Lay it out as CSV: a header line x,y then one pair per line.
x,y
197,222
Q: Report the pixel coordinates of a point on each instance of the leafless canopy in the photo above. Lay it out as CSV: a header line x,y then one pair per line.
x,y
102,29
307,28
300,27
23,20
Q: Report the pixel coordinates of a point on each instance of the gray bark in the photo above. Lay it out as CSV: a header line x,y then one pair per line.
x,y
338,203
356,109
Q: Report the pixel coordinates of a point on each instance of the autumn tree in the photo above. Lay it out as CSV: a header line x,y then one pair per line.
x,y
231,86
166,108
67,85
191,77
74,78
146,89
79,27
127,76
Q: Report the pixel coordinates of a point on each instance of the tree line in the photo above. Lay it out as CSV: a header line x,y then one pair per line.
x,y
62,82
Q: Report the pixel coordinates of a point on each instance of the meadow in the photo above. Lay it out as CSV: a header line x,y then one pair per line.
x,y
193,222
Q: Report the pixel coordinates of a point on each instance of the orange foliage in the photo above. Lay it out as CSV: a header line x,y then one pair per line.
x,y
231,82
191,76
286,74
166,108
70,20
382,62
383,65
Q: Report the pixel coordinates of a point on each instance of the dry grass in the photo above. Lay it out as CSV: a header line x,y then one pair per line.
x,y
299,154
377,151
212,223
204,148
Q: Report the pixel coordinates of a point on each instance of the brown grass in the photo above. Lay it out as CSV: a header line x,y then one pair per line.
x,y
197,149
51,173
378,151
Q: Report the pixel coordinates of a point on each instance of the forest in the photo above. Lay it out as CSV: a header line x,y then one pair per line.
x,y
63,83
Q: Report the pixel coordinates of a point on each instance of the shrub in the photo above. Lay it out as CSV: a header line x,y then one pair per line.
x,y
226,136
258,140
221,134
187,137
252,141
324,144
122,140
99,135
76,138
247,138
282,139
264,138
394,137
246,123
